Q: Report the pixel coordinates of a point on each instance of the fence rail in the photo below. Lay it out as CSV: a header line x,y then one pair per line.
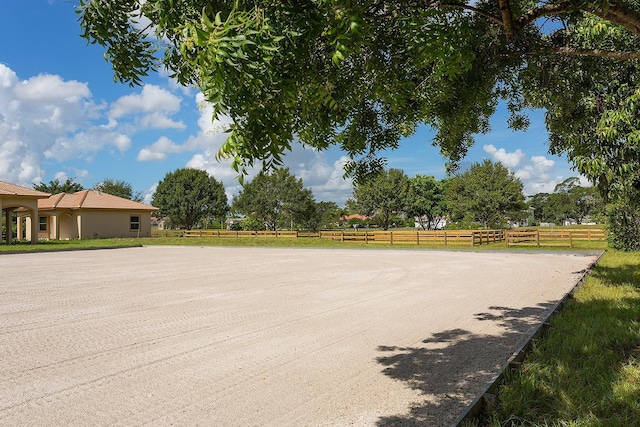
x,y
563,237
396,237
233,233
553,237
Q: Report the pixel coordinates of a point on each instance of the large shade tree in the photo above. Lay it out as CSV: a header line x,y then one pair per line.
x,y
383,197
188,196
364,73
488,194
426,201
276,199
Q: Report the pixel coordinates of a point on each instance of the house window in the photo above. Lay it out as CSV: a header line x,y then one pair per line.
x,y
43,223
135,223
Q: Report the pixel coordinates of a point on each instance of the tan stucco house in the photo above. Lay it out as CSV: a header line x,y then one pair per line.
x,y
26,200
86,214
90,214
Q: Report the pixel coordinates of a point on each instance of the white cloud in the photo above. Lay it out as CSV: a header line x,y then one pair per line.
x,y
510,160
539,175
45,118
160,121
152,99
8,77
60,176
41,118
76,174
149,109
158,150
324,177
50,88
147,195
85,145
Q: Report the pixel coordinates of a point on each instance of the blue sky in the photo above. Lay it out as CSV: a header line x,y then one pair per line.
x,y
62,116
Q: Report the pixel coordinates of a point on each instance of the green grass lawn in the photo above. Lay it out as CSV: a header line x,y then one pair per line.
x,y
585,371
67,245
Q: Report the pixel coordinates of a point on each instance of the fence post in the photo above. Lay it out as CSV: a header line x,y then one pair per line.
x,y
445,238
570,240
538,237
391,236
506,238
366,237
473,238
342,236
418,238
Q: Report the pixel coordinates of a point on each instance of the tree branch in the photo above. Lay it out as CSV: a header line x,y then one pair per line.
x,y
622,56
570,51
626,18
507,20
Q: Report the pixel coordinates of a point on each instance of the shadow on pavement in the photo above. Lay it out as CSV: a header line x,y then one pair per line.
x,y
453,366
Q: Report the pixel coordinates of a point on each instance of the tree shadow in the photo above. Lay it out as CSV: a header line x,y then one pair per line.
x,y
452,367
585,381
627,274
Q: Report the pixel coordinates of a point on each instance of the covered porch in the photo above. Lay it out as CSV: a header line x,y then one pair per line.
x,y
17,198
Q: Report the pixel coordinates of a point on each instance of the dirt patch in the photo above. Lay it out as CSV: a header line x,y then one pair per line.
x,y
256,336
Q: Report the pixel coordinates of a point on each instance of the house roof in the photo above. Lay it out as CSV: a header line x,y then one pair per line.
x,y
354,216
8,189
91,199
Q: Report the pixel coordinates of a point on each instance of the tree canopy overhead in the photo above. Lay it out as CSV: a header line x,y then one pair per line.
x,y
363,73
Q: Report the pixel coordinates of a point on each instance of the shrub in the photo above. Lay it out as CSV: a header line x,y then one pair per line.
x,y
624,226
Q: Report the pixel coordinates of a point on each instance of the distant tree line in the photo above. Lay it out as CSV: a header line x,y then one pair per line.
x,y
569,202
486,195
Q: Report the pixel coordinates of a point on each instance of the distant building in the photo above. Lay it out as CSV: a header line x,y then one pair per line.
x,y
438,223
230,223
87,214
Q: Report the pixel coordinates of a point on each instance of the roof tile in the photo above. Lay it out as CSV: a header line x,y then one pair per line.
x,y
8,189
91,199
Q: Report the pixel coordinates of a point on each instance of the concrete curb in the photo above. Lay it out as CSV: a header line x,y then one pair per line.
x,y
488,396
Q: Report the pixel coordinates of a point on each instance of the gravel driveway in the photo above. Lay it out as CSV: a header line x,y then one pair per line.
x,y
227,336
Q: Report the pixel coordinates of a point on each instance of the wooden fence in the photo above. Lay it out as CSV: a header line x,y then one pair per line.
x,y
563,237
418,237
396,237
233,233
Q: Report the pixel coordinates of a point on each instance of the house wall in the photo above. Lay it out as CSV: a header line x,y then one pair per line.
x,y
68,229
108,223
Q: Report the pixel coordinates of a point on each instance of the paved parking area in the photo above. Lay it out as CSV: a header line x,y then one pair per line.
x,y
263,337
